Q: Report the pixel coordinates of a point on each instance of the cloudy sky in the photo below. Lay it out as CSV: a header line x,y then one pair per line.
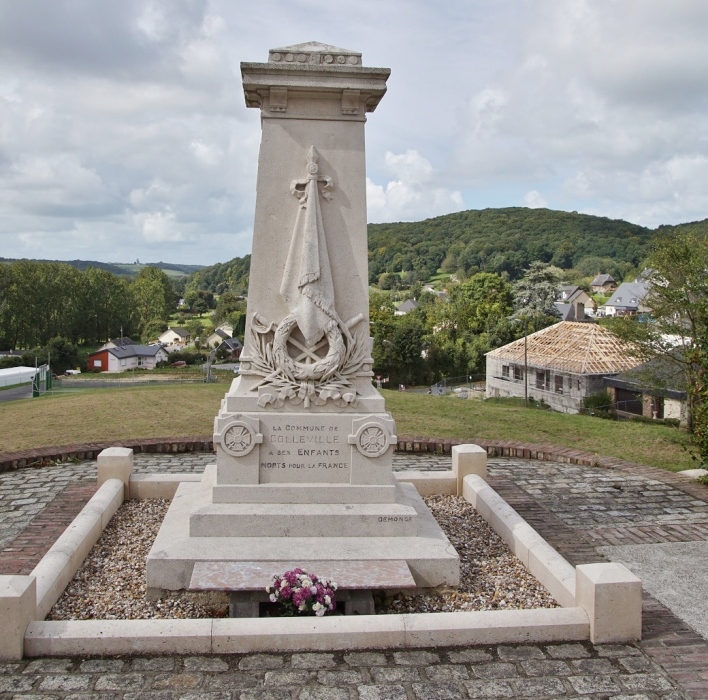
x,y
124,133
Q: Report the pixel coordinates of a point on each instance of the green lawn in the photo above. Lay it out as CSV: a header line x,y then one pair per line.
x,y
188,410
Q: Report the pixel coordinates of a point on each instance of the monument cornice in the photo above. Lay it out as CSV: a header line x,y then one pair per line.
x,y
261,80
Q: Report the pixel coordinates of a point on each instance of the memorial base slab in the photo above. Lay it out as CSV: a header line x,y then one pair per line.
x,y
431,558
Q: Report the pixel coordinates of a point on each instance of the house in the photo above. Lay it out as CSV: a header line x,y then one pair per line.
x,y
573,312
174,337
406,307
654,389
572,294
220,334
126,357
231,345
561,365
117,343
603,284
627,300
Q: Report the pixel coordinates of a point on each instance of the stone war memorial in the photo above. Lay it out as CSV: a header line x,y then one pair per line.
x,y
304,444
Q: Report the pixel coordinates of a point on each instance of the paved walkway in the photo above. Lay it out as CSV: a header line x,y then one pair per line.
x,y
586,513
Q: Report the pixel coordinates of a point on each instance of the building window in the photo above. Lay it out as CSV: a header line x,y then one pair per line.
x,y
543,379
505,371
518,373
122,363
558,384
97,363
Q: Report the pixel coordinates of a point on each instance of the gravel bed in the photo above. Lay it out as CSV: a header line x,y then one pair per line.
x,y
491,577
111,582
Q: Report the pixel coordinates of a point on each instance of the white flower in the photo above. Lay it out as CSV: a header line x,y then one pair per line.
x,y
302,607
319,613
313,589
267,589
327,600
273,599
317,606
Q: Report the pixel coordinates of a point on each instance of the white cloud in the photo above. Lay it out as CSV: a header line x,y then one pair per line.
x,y
123,127
159,226
534,200
413,194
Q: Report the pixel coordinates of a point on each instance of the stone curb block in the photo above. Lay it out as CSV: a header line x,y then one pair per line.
x,y
18,607
441,484
240,636
118,637
158,485
65,556
612,596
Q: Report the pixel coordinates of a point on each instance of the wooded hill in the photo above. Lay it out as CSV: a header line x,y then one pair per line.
x,y
504,240
120,269
487,240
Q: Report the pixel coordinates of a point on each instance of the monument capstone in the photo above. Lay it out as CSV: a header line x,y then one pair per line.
x,y
303,441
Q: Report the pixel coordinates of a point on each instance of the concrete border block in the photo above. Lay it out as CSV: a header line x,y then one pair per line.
x,y
53,574
115,463
468,459
143,486
118,637
554,572
497,627
234,636
18,607
430,483
612,596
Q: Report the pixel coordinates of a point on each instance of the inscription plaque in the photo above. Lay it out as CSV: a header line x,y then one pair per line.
x,y
305,449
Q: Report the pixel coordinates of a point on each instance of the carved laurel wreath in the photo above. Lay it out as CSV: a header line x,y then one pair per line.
x,y
285,379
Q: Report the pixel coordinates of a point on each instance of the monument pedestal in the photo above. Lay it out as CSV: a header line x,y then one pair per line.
x,y
431,558
303,442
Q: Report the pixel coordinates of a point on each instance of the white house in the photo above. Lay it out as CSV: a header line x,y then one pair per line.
x,y
627,299
127,357
220,334
174,337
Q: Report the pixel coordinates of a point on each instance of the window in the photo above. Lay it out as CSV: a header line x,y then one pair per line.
x,y
518,373
122,363
97,363
558,384
543,379
505,371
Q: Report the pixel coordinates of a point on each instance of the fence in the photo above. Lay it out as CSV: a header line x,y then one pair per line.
x,y
470,384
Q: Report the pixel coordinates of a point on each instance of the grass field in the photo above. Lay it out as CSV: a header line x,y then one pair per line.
x,y
188,410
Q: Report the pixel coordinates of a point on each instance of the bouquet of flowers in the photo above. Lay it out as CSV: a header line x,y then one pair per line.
x,y
300,593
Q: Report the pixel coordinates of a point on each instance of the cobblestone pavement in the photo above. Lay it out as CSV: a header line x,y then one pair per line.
x,y
575,508
536,671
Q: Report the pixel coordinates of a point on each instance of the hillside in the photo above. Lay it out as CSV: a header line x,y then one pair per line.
x,y
492,240
121,269
504,240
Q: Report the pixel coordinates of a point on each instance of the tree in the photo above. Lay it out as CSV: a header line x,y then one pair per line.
x,y
154,299
535,295
678,331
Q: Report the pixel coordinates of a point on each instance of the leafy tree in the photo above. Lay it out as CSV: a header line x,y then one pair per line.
x,y
535,295
154,300
678,331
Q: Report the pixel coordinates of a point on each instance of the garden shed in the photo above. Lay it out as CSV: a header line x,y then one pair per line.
x,y
560,365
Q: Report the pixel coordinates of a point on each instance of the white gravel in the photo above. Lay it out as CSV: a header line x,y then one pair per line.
x,y
111,582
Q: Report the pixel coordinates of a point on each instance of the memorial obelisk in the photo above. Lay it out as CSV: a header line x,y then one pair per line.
x,y
303,442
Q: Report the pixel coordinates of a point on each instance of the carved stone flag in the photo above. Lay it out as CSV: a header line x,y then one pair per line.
x,y
307,280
